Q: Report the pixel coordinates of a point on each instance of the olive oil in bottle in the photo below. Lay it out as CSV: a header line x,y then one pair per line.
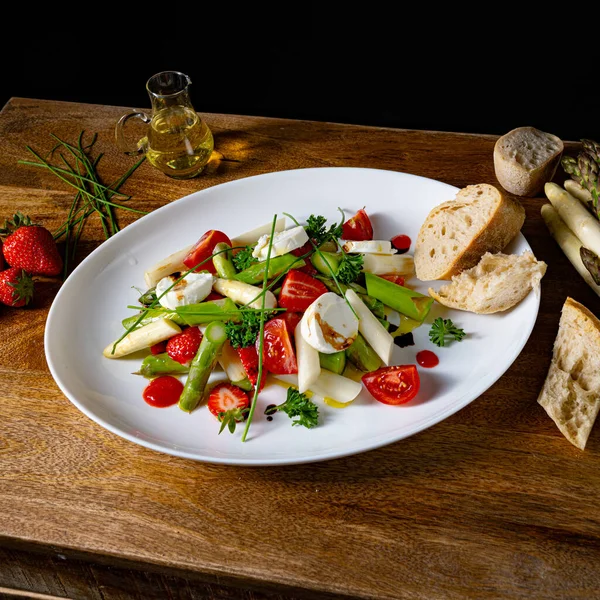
x,y
179,143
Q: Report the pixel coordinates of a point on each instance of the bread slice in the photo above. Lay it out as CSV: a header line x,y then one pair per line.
x,y
498,282
526,158
571,392
457,233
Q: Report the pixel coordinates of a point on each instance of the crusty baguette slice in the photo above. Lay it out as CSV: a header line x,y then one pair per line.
x,y
571,392
526,158
457,233
498,282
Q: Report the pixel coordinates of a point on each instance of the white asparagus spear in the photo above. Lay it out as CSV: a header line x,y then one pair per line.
x,y
388,264
372,330
309,367
576,217
172,264
251,237
243,293
144,337
568,242
579,192
329,385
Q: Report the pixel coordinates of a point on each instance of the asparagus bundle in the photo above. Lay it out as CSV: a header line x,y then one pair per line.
x,y
584,171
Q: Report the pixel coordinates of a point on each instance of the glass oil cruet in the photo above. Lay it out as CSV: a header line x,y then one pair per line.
x,y
178,141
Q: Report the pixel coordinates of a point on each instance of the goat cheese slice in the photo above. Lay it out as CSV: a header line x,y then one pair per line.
x,y
193,288
329,325
283,242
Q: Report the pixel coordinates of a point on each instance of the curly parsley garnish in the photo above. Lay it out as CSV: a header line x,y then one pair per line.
x,y
318,232
245,333
350,268
243,259
299,407
445,328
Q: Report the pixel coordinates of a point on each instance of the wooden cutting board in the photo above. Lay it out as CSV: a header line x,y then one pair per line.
x,y
492,502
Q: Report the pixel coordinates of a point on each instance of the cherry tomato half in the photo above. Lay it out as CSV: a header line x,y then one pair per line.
x,y
291,320
397,279
358,228
279,357
393,385
203,249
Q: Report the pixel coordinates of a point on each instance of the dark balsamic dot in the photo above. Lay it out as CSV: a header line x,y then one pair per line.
x,y
404,340
269,418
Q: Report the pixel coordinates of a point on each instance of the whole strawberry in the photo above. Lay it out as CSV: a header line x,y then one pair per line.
x,y
1,257
30,247
16,287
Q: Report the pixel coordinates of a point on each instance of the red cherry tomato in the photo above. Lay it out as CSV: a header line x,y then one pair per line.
x,y
358,228
299,291
163,391
393,385
401,243
278,353
204,248
397,279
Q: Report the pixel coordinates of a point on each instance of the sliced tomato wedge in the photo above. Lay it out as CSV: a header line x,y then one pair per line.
x,y
358,228
393,385
203,249
299,291
279,357
397,279
291,320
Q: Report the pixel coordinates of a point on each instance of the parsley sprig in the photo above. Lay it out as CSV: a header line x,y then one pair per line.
x,y
445,328
244,259
244,334
350,268
299,408
318,232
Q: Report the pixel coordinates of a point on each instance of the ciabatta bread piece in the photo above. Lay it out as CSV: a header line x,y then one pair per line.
x,y
498,282
457,233
525,159
571,392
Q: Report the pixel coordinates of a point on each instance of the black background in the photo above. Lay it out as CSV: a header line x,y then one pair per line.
x,y
421,69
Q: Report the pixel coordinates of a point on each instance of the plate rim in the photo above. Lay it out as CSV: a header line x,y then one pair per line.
x,y
273,461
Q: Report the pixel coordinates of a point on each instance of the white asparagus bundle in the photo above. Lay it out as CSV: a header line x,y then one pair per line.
x,y
568,242
579,192
576,217
144,337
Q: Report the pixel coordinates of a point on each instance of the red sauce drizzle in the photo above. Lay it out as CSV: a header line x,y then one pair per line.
x,y
427,359
401,243
163,391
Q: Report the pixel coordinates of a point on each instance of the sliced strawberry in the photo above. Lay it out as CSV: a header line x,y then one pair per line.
x,y
213,296
229,404
183,346
159,348
249,358
299,291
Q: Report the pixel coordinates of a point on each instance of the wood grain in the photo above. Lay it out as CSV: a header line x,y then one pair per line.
x,y
493,502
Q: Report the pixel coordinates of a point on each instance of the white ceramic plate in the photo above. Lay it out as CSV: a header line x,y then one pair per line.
x,y
87,312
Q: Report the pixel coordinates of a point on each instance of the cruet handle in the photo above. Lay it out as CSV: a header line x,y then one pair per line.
x,y
120,135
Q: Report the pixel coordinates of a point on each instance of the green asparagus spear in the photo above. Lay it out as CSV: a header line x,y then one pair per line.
x,y
202,366
585,170
277,266
404,300
161,364
190,314
335,362
222,262
362,356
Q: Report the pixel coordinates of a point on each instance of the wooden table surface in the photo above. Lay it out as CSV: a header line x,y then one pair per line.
x,y
492,502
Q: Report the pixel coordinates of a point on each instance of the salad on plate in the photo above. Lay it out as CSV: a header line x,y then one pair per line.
x,y
317,306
